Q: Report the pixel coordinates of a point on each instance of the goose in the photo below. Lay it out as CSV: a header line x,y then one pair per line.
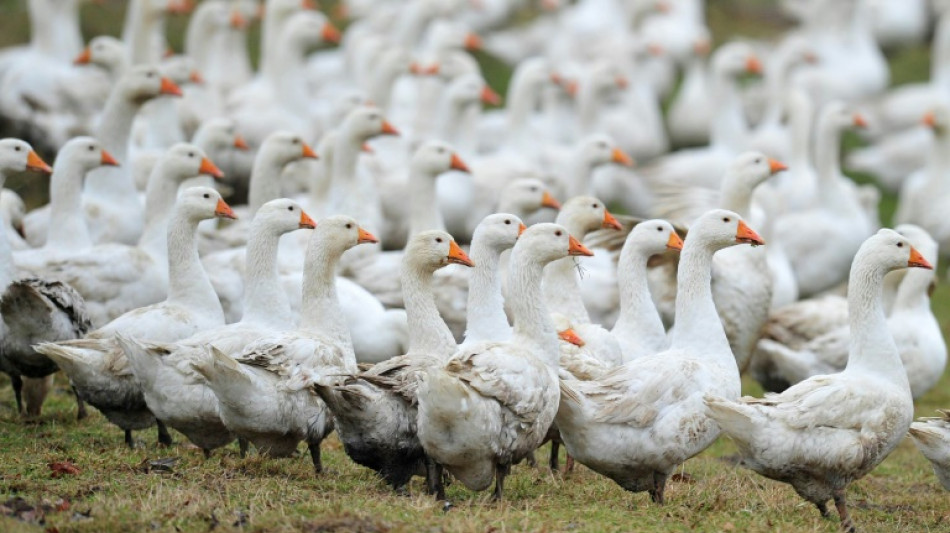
x,y
491,404
374,411
109,196
115,278
12,210
932,437
276,371
821,240
830,430
644,419
690,114
97,365
522,196
33,309
67,232
915,331
923,191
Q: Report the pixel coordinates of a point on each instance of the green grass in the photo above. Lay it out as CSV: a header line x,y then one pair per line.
x,y
115,491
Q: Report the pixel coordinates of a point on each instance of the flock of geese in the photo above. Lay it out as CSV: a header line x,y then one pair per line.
x,y
442,311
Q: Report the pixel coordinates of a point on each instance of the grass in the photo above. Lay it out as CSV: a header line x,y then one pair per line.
x,y
117,489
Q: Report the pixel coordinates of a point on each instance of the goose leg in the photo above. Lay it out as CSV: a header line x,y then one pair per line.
x,y
17,383
128,439
823,509
164,438
501,471
842,506
207,453
314,448
434,484
554,463
80,405
569,463
242,446
659,488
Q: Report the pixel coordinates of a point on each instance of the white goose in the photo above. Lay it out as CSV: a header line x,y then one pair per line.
x,y
98,367
646,418
491,404
924,191
828,431
932,437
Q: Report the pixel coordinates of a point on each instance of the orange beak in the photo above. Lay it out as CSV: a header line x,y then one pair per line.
x,y
305,221
107,160
674,242
490,97
419,70
388,129
196,77
571,88
458,164
473,42
84,57
859,121
308,4
702,47
654,50
330,33
169,87
663,6
621,158
367,148
223,210
521,228
307,152
917,260
180,8
610,222
929,120
745,234
776,166
576,248
622,82
569,335
458,255
237,20
753,65
549,201
209,168
366,237
240,143
35,163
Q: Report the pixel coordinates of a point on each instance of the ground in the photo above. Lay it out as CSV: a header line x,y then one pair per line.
x,y
60,474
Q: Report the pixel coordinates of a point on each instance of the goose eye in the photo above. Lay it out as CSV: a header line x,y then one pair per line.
x,y
758,159
507,221
900,245
191,154
659,228
150,75
594,206
558,233
290,208
206,195
726,219
438,239
17,148
91,148
296,141
349,226
533,189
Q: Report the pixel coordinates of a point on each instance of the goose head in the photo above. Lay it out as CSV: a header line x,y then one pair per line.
x,y
283,216
546,242
735,59
217,135
469,89
105,52
87,153
365,122
605,78
428,251
921,240
889,250
436,157
838,116
937,119
339,233
142,83
653,237
183,161
721,228
528,195
180,69
445,35
750,169
600,149
285,147
307,30
584,214
499,231
565,329
202,203
18,156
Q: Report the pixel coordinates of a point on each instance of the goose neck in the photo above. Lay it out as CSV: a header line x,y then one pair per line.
x,y
265,180
800,126
265,300
424,209
638,318
113,133
428,334
872,347
486,305
320,312
139,31
188,284
698,327
7,267
67,225
728,126
160,194
735,196
940,55
827,158
913,292
938,164
530,314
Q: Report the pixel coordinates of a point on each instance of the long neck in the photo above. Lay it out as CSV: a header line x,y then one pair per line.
x,y
7,267
912,294
562,292
265,181
638,316
270,37
520,102
775,83
800,125
872,345
532,319
587,108
578,175
735,196
139,33
729,126
428,333
188,283
67,229
113,133
199,36
486,305
697,323
320,312
160,194
940,56
358,194
163,129
938,164
828,165
424,212
265,300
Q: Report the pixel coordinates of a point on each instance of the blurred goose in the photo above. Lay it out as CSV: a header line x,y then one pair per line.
x,y
932,437
926,190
